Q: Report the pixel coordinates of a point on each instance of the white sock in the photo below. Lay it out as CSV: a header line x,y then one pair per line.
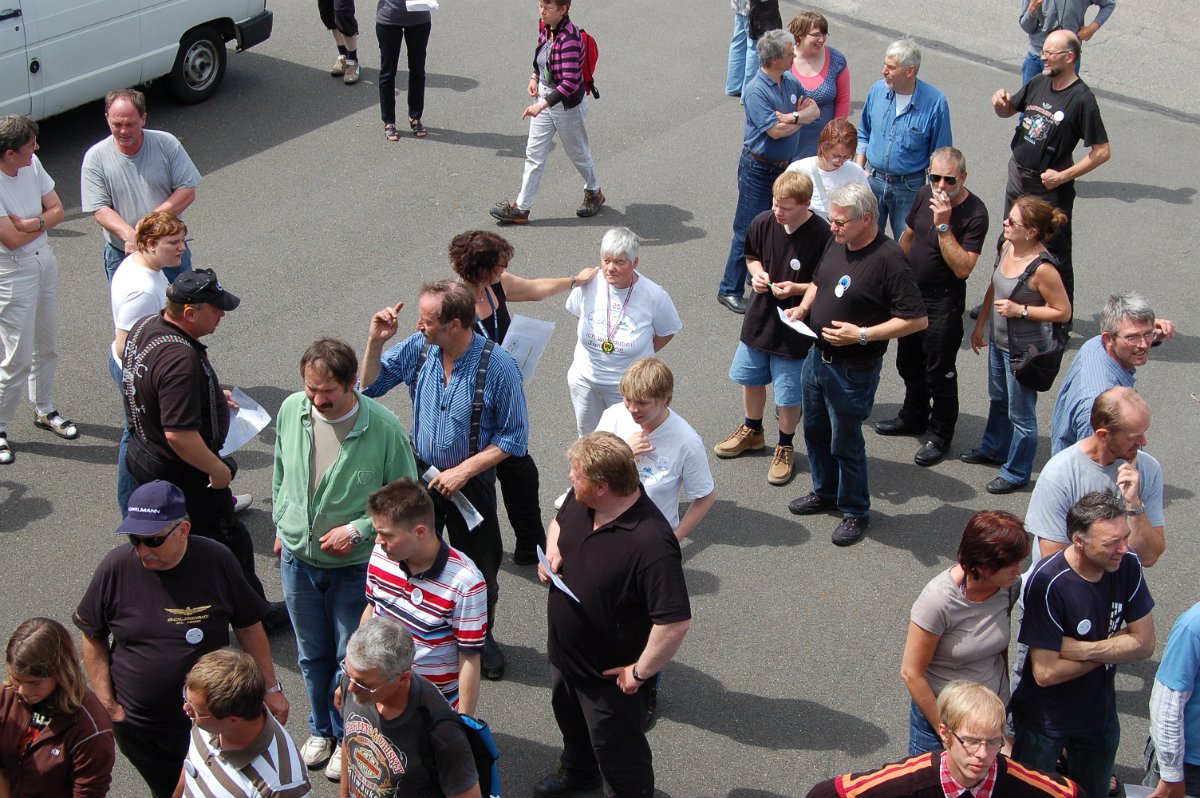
x,y
45,411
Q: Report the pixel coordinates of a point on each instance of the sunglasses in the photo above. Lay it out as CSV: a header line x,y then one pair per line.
x,y
154,542
950,180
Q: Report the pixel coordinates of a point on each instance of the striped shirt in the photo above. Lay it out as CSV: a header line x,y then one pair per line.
x,y
565,63
441,431
445,608
1091,373
270,767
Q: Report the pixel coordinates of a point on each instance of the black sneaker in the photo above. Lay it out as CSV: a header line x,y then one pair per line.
x,y
562,783
810,505
492,663
850,531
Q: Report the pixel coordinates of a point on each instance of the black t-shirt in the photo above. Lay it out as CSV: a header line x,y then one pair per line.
x,y
793,257
161,622
386,758
1060,603
174,388
968,222
628,576
865,287
1053,123
495,325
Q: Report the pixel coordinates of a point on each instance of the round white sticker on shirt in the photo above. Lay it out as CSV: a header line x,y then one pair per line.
x,y
417,597
1084,626
1058,116
793,99
194,635
795,264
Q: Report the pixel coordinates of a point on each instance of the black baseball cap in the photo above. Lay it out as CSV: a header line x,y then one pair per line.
x,y
201,287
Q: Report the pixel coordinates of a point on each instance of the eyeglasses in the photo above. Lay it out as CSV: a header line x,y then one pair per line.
x,y
1133,339
190,710
973,746
840,222
357,685
819,34
156,541
1052,52
950,180
1011,222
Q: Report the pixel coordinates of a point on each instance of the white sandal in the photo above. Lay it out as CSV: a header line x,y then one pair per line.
x,y
54,422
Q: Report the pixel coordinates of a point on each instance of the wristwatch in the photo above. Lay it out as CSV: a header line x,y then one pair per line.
x,y
278,688
1132,512
641,679
41,223
862,336
355,535
943,228
795,117
1024,311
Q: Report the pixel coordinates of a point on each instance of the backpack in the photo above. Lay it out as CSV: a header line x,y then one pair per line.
x,y
591,54
483,748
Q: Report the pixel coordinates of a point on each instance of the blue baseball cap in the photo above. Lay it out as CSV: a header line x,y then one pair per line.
x,y
151,507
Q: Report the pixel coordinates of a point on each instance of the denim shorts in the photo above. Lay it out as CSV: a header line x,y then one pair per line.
x,y
753,368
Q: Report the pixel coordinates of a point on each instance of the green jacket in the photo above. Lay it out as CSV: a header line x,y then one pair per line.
x,y
376,452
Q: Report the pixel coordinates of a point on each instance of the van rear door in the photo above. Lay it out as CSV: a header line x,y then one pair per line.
x,y
83,48
14,71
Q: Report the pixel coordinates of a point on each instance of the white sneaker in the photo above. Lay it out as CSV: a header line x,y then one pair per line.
x,y
317,750
561,500
241,501
333,771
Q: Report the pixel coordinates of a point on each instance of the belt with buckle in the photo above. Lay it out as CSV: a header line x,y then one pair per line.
x,y
888,177
760,159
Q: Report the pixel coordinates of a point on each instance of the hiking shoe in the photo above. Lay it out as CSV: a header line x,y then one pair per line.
x,y
350,77
810,504
563,782
509,212
339,67
850,531
62,427
742,440
333,771
780,472
316,751
592,202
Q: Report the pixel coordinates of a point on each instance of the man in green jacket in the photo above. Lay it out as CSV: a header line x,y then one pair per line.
x,y
333,447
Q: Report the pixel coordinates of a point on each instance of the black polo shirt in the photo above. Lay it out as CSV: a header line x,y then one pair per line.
x,y
628,575
865,286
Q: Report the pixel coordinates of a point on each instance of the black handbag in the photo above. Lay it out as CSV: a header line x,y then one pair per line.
x,y
1034,368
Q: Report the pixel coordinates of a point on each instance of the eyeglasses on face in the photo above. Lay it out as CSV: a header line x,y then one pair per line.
x,y
972,746
1011,222
154,542
355,684
950,180
190,710
1133,339
840,222
1046,53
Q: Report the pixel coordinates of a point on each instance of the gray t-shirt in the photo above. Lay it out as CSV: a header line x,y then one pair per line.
x,y
974,635
1069,476
395,12
134,185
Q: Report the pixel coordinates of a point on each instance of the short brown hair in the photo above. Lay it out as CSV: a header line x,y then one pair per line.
x,y
838,131
456,301
1108,410
992,540
603,457
475,253
15,132
232,684
42,648
793,185
648,378
805,22
404,501
132,96
156,226
336,358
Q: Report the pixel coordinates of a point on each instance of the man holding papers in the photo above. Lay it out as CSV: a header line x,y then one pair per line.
x,y
783,246
618,555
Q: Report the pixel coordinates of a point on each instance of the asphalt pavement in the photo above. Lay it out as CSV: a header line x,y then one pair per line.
x,y
791,671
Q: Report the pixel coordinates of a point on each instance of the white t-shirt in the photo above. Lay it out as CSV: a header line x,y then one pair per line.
x,y
135,292
679,458
648,312
848,172
22,196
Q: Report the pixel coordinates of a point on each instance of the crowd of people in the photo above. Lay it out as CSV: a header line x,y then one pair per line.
x,y
389,539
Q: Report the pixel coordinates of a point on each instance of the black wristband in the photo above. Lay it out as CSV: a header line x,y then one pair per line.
x,y
639,678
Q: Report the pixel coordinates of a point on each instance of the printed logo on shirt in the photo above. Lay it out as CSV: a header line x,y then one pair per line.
x,y
651,469
375,767
188,616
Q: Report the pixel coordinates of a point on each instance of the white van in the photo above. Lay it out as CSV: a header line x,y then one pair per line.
x,y
59,54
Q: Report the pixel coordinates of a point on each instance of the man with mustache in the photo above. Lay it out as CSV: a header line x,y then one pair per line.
x,y
333,448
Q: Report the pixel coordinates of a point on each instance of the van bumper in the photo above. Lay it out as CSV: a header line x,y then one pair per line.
x,y
255,30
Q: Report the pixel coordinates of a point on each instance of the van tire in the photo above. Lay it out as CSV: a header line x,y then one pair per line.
x,y
199,66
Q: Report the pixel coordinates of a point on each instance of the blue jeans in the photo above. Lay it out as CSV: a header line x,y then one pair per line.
x,y
125,481
1011,433
895,200
1089,758
743,57
114,256
755,181
837,400
326,605
921,736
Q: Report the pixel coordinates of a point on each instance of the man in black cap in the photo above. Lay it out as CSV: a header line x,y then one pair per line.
x,y
151,611
178,414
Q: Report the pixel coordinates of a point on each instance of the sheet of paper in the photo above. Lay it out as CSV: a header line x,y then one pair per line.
x,y
245,422
465,508
421,5
525,340
798,326
555,578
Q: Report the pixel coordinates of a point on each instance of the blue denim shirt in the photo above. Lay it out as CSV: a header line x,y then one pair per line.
x,y
901,145
762,98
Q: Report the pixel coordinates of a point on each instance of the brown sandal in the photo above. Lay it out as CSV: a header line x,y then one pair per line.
x,y
417,128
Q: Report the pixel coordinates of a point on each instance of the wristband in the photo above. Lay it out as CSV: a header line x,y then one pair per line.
x,y
278,688
1135,511
639,678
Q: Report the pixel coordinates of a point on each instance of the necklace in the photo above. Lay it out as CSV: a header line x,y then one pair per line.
x,y
607,347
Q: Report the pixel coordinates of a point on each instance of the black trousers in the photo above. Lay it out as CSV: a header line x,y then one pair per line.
x,y
519,484
482,544
210,510
602,728
338,15
155,754
927,362
1026,181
